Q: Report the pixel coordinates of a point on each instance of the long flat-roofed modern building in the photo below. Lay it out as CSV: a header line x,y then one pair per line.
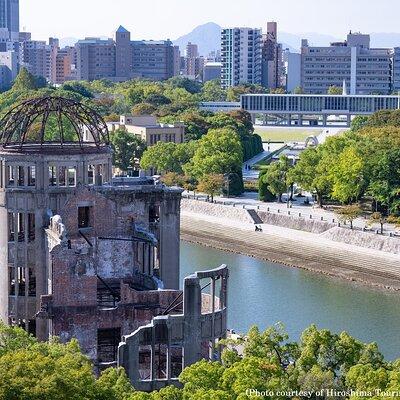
x,y
306,109
297,109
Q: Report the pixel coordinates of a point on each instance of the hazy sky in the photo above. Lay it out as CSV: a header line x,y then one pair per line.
x,y
162,19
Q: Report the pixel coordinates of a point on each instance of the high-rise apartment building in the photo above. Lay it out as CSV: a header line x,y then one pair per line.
x,y
241,56
365,70
9,17
39,58
193,63
64,63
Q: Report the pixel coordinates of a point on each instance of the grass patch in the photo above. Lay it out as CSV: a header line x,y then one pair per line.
x,y
286,135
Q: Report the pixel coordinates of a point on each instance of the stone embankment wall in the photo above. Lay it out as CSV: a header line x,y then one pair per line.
x,y
364,239
292,222
216,210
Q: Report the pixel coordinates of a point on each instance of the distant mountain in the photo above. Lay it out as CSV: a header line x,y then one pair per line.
x,y
207,37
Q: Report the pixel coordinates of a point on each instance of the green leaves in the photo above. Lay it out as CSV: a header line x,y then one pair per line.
x,y
128,148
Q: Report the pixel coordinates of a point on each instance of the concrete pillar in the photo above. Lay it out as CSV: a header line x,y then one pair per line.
x,y
192,324
4,284
253,118
289,119
169,246
348,121
300,120
324,120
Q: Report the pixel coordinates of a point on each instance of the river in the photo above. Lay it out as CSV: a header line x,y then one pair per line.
x,y
263,293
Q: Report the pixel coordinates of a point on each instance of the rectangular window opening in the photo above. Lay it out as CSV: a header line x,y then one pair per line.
x,y
31,176
52,176
31,227
21,227
107,344
11,227
21,176
83,217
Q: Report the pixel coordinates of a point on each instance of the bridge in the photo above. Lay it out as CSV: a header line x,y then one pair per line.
x,y
306,109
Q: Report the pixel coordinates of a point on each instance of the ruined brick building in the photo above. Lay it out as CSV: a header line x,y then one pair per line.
x,y
88,256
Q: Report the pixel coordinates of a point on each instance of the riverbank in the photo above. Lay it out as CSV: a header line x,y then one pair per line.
x,y
293,248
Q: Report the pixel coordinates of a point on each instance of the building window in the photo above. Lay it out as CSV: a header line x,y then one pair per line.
x,y
32,283
21,281
107,344
90,175
21,176
11,176
71,174
62,172
21,227
11,273
31,227
52,176
83,217
11,227
31,176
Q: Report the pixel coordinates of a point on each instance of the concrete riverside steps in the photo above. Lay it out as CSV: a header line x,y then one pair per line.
x,y
335,259
255,217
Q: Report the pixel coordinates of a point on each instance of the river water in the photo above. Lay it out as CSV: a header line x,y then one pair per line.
x,y
263,293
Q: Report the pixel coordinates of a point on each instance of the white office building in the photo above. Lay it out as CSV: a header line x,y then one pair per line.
x,y
365,70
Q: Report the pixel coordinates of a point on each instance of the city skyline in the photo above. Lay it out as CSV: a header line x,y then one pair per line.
x,y
146,24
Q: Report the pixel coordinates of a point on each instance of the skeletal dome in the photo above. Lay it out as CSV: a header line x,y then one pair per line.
x,y
52,123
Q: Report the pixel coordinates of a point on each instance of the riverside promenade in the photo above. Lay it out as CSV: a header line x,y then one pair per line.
x,y
293,248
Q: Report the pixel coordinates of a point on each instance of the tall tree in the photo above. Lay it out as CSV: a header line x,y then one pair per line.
x,y
24,81
218,152
128,148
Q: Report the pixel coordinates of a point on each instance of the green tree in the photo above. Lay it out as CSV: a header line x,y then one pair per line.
x,y
168,157
378,218
78,87
212,91
173,179
24,81
309,173
298,90
211,185
359,122
349,213
218,152
335,90
143,109
277,177
348,176
127,149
